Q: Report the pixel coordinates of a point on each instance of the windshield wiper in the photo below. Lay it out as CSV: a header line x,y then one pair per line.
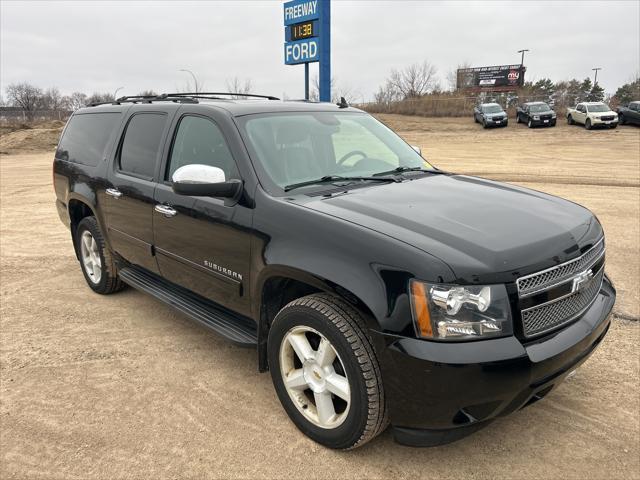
x,y
411,169
335,178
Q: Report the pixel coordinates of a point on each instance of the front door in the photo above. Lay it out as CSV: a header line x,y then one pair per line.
x,y
202,243
128,196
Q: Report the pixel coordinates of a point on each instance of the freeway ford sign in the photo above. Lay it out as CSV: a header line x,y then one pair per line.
x,y
302,43
307,39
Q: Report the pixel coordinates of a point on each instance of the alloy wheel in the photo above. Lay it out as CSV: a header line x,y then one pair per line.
x,y
314,377
90,254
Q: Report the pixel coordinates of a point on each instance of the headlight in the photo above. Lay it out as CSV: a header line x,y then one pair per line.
x,y
536,117
455,312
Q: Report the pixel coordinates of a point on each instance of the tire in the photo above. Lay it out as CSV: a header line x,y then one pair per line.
x,y
529,124
355,417
612,126
621,119
570,120
484,123
96,262
587,124
517,118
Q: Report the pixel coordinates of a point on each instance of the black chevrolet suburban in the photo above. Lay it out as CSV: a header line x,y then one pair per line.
x,y
375,287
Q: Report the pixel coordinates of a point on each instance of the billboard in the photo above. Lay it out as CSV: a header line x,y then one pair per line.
x,y
500,77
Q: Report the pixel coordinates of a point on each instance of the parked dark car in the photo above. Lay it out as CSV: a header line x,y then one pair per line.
x,y
536,114
490,115
629,114
375,287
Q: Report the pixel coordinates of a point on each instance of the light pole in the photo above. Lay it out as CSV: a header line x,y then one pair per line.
x,y
595,76
116,92
522,52
195,80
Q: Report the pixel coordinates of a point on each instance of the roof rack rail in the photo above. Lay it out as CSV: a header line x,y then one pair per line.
x,y
146,99
216,94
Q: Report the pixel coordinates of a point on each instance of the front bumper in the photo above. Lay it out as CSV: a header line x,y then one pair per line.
x,y
542,123
496,123
438,392
596,122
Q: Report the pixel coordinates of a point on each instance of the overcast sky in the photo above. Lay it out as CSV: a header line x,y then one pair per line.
x,y
100,46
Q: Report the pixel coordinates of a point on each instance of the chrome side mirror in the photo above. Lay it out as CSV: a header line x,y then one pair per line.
x,y
417,149
198,180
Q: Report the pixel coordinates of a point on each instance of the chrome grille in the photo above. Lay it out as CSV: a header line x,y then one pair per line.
x,y
539,319
545,279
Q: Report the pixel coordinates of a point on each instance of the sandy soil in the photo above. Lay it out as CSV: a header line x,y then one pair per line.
x,y
124,387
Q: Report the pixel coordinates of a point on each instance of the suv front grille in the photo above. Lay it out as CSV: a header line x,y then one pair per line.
x,y
569,299
607,118
537,282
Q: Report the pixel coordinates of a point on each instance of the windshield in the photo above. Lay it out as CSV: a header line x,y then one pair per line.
x,y
492,109
542,107
293,148
599,108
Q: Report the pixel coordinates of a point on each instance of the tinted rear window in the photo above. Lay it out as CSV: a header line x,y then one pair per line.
x,y
141,144
86,137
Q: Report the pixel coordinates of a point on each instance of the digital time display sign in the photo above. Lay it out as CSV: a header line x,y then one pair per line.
x,y
302,30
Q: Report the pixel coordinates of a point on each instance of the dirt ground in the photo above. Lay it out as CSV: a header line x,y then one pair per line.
x,y
124,387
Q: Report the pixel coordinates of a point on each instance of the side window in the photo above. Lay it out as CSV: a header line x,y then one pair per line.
x,y
86,137
141,145
200,141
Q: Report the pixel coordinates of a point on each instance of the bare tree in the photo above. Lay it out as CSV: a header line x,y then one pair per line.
x,y
148,93
235,85
97,97
53,99
77,100
26,96
414,80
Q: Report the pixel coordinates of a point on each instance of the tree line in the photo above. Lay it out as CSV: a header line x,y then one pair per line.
x,y
420,80
30,99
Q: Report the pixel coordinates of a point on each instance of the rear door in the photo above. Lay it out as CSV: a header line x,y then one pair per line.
x,y
203,244
131,183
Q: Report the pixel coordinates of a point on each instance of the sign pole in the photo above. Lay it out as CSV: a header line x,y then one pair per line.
x,y
325,50
306,81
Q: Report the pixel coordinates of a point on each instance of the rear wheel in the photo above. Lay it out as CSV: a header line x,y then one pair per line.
x,y
587,124
570,120
97,264
325,372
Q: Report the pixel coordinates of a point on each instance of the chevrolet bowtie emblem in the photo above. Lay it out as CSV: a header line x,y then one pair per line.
x,y
580,280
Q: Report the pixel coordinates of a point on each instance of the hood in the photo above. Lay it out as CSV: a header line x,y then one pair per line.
x,y
485,231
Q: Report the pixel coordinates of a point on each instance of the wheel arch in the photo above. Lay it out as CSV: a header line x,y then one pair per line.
x,y
79,207
280,285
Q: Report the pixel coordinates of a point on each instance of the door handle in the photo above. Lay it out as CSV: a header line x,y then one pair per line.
x,y
114,192
165,210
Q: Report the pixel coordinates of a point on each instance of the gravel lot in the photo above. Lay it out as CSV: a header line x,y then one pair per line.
x,y
124,387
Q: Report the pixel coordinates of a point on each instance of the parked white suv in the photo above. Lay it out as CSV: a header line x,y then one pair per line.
x,y
592,114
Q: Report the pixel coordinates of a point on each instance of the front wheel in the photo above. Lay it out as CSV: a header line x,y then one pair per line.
x,y
570,120
587,124
97,264
530,124
325,372
517,118
621,119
